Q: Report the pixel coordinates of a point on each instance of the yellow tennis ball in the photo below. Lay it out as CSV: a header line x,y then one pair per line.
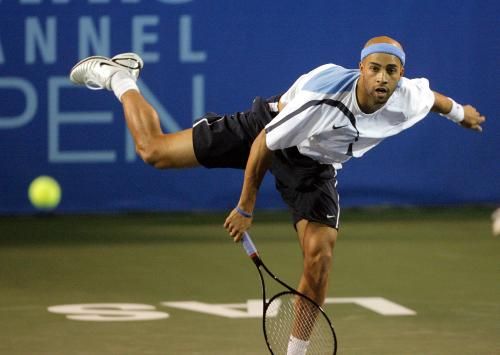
x,y
44,193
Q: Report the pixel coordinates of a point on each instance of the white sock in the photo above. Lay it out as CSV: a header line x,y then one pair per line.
x,y
121,82
297,346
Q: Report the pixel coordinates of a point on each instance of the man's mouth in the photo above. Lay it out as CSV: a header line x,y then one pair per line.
x,y
381,93
381,90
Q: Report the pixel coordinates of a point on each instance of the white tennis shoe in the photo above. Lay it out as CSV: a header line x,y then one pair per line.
x,y
95,72
131,61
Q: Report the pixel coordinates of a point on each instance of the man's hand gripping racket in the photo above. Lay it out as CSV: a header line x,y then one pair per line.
x,y
293,323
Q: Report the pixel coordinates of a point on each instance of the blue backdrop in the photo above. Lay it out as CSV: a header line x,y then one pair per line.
x,y
217,56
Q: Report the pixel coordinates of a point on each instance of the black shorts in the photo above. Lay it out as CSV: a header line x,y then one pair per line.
x,y
224,141
306,186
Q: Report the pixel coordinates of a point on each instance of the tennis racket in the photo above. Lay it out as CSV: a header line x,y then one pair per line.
x,y
290,313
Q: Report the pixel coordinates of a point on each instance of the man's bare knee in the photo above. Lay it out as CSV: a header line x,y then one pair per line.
x,y
151,155
317,244
169,151
317,266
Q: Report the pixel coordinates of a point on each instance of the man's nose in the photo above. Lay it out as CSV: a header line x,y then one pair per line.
x,y
382,77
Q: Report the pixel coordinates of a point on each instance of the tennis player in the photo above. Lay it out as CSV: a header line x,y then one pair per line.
x,y
303,137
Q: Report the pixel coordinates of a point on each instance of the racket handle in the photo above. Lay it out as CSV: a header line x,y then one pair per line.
x,y
248,245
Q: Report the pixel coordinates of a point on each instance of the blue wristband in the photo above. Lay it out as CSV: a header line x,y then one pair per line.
x,y
243,213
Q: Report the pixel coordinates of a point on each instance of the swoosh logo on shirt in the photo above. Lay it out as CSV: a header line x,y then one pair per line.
x,y
337,127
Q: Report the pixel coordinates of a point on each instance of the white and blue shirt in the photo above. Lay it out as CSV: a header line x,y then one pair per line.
x,y
323,120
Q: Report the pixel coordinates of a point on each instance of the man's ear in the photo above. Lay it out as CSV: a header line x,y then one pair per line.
x,y
402,71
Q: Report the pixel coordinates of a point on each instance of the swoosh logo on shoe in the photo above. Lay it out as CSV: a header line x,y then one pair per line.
x,y
104,63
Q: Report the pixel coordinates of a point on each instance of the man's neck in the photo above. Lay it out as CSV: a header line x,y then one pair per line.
x,y
365,103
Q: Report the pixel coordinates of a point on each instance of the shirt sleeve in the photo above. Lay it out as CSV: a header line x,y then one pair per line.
x,y
301,119
294,89
414,99
300,82
418,98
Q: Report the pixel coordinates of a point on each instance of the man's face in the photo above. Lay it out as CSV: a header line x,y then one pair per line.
x,y
379,76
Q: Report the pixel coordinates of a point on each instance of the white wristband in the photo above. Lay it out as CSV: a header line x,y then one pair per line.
x,y
456,113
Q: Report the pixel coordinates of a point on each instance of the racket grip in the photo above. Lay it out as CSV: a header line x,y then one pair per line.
x,y
248,245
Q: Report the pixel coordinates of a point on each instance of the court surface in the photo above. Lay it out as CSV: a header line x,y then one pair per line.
x,y
444,265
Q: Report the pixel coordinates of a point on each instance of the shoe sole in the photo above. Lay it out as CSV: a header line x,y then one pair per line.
x,y
128,56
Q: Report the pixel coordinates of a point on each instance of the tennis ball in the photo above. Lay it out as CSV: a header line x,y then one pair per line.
x,y
44,193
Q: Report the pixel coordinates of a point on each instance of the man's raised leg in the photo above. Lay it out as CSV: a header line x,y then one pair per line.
x,y
163,151
119,74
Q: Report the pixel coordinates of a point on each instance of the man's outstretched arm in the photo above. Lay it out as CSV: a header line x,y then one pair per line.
x,y
259,161
467,115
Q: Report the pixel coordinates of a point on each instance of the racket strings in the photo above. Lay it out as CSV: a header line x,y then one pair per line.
x,y
291,315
